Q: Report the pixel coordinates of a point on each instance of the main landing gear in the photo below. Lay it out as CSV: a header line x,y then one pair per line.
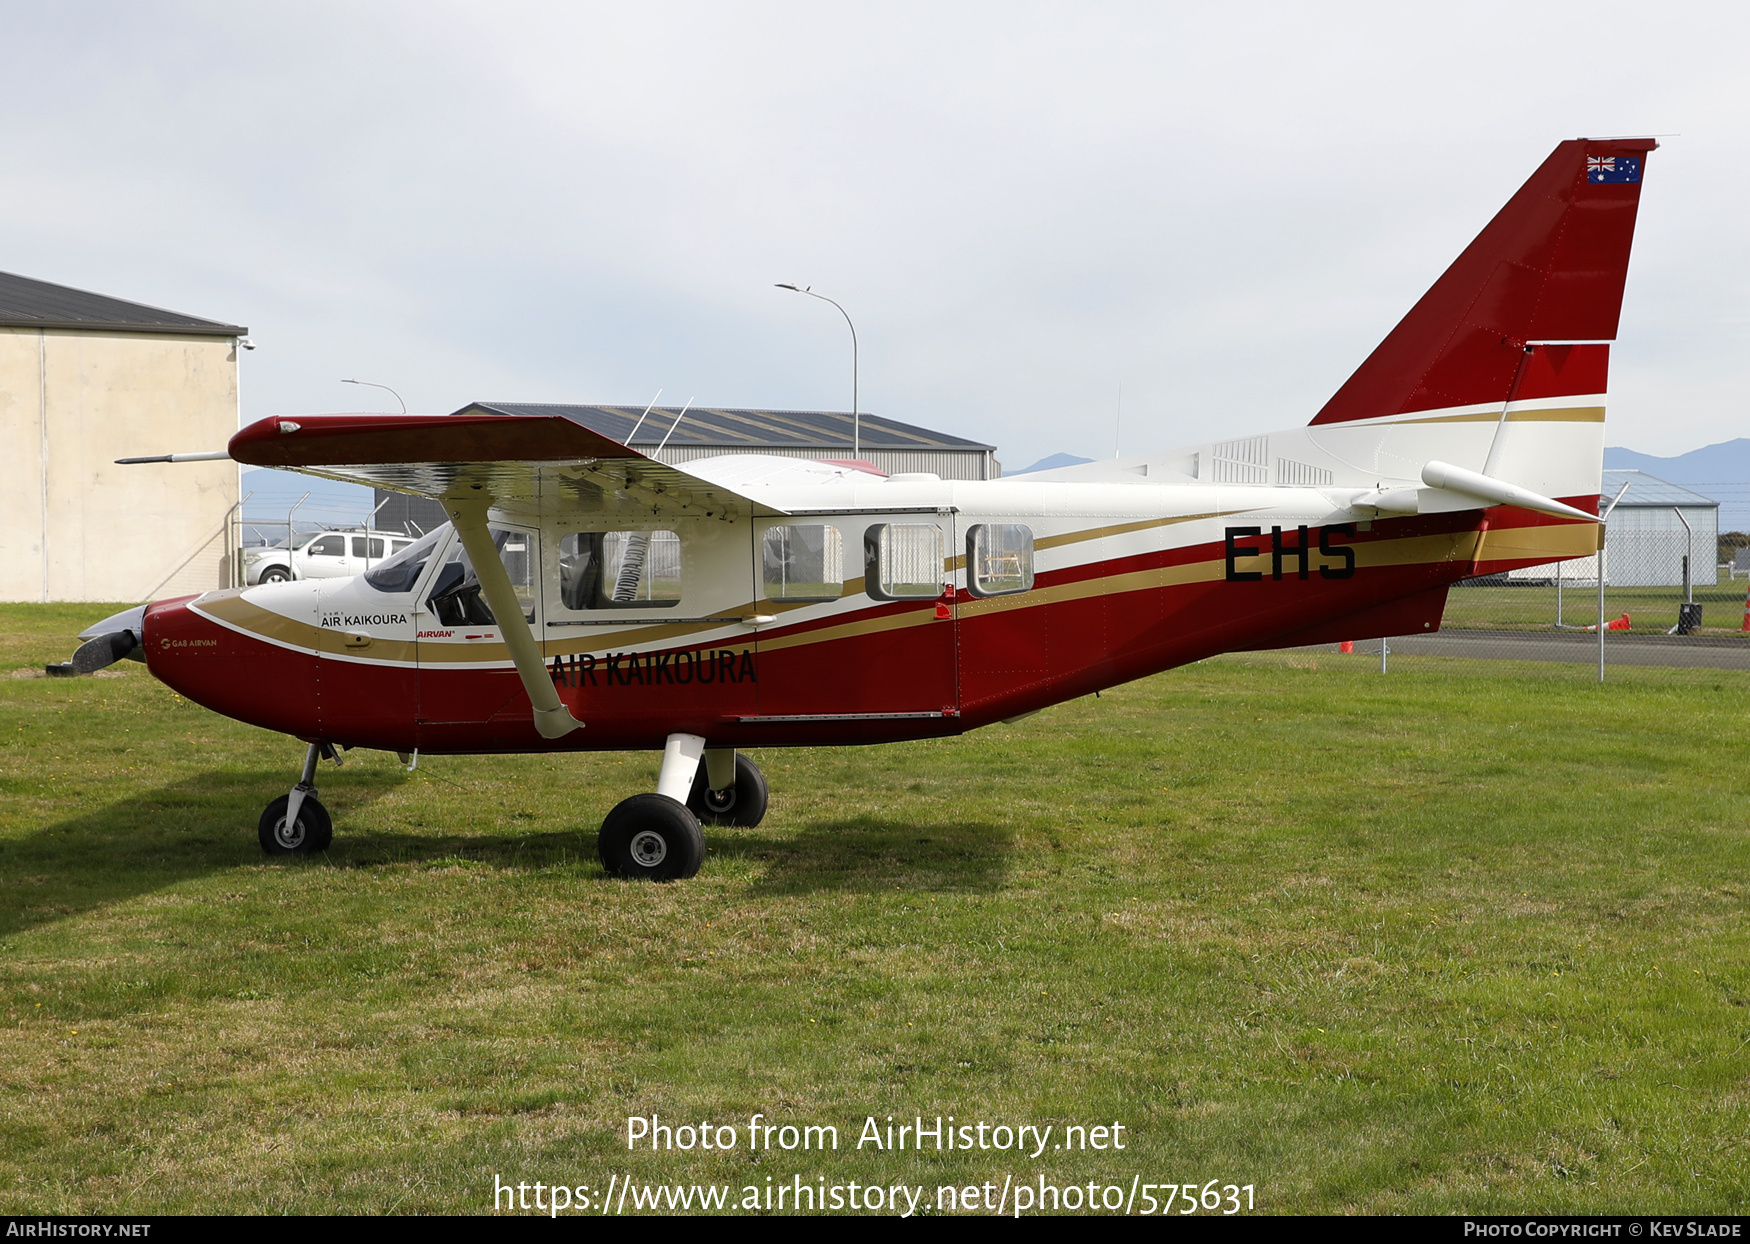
x,y
297,823
657,837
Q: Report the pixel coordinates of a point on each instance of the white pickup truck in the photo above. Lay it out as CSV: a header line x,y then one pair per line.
x,y
327,555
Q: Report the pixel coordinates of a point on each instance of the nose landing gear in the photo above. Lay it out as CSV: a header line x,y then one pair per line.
x,y
297,823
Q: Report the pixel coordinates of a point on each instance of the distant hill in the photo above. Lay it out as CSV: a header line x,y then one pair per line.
x,y
1721,472
1727,462
1046,464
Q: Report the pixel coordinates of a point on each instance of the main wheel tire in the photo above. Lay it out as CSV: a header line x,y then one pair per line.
x,y
313,832
651,837
276,574
741,803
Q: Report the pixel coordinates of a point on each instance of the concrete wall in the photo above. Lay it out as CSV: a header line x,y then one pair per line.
x,y
73,525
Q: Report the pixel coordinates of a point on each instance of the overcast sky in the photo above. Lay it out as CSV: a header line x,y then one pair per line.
x,y
1220,208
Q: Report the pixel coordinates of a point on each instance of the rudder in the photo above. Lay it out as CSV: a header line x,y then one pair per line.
x,y
1550,267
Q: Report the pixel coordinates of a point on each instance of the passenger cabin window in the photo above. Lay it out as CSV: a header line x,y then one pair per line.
x,y
904,561
620,570
803,561
327,546
456,598
999,559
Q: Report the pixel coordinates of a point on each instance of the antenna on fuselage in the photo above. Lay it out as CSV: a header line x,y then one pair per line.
x,y
674,425
642,417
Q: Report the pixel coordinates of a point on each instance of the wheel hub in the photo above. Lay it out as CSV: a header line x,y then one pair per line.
x,y
290,837
720,801
648,849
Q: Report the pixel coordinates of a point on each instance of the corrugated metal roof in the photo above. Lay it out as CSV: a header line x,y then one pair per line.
x,y
28,303
727,428
1644,489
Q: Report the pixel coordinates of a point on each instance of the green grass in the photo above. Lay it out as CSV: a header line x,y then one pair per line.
x,y
1652,610
1467,937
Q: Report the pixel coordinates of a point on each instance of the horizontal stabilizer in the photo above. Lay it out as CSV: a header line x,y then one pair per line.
x,y
1445,476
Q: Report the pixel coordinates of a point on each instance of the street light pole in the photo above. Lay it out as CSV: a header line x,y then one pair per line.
x,y
372,384
856,414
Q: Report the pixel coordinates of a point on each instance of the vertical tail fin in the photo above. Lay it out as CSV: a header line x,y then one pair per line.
x,y
1549,267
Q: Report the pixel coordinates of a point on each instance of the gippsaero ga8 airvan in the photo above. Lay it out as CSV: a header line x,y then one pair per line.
x,y
585,597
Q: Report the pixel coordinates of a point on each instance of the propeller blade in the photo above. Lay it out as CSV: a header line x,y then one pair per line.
x,y
95,654
111,640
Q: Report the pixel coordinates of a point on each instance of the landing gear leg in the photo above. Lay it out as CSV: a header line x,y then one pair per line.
x,y
729,790
656,837
297,823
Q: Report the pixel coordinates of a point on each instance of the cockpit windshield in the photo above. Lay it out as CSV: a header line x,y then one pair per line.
x,y
401,572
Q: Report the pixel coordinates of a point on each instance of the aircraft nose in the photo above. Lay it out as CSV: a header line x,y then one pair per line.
x,y
167,625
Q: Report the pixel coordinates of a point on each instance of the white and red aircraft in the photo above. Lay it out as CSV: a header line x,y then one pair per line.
x,y
585,597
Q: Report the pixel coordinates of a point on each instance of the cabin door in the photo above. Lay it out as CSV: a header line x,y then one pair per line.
x,y
865,617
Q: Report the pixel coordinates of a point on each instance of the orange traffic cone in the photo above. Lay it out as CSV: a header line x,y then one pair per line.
x,y
1615,624
1747,610
1348,645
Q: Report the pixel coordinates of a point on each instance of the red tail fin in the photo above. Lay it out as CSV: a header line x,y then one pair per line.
x,y
1549,267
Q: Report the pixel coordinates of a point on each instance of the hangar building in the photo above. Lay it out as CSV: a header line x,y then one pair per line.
x,y
86,379
1653,528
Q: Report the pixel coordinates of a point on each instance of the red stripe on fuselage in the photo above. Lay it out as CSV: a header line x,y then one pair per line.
x,y
1003,662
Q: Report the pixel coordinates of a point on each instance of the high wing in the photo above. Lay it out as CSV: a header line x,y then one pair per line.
x,y
520,462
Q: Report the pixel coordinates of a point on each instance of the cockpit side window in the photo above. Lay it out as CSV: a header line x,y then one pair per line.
x,y
455,596
401,572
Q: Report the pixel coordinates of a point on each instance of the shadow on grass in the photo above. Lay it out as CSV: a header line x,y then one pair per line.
x,y
206,824
872,854
157,838
364,849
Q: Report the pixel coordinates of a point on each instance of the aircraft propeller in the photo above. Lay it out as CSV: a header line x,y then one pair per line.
x,y
111,640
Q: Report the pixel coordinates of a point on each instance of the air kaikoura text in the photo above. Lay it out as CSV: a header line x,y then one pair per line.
x,y
622,669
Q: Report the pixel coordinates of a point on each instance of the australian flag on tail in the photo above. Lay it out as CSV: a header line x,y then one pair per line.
x,y
1608,170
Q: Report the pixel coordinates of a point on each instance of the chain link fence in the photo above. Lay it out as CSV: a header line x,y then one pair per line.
x,y
1668,599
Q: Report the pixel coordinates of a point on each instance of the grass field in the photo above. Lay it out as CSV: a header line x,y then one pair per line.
x,y
1469,936
1651,610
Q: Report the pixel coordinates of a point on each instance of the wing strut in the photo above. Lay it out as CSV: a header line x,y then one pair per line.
x,y
552,718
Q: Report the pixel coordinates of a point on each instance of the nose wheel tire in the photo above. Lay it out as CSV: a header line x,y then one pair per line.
x,y
742,803
653,838
313,831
